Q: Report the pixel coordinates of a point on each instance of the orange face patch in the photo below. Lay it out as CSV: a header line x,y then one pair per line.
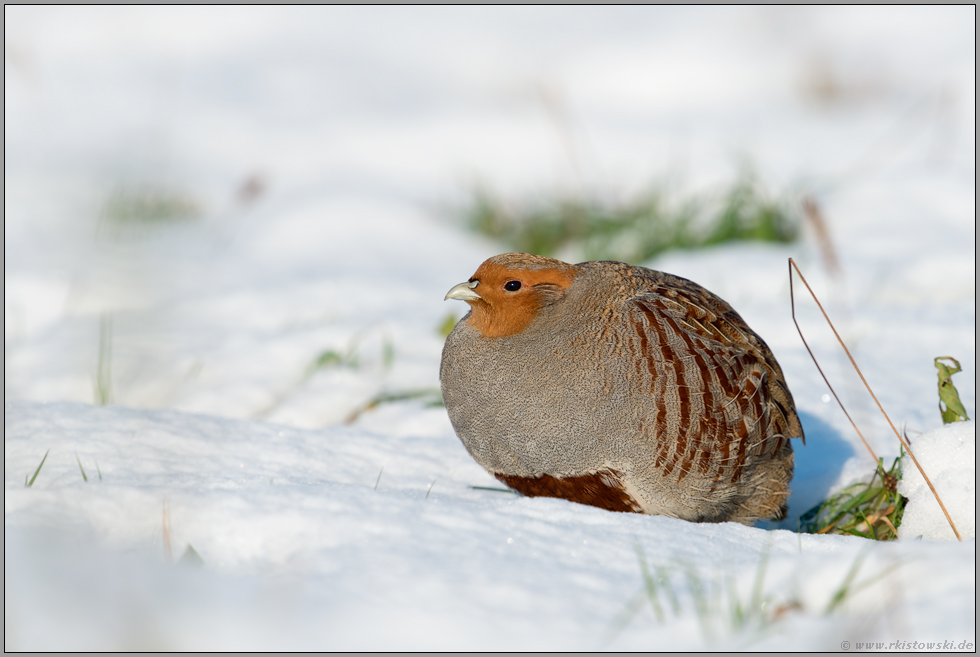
x,y
510,298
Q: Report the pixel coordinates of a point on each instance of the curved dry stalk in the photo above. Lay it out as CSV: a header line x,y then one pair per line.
x,y
901,439
792,305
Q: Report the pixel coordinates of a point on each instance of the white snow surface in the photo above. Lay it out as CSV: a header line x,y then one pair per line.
x,y
948,455
325,149
301,551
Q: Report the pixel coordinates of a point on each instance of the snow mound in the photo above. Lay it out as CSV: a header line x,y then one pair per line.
x,y
948,455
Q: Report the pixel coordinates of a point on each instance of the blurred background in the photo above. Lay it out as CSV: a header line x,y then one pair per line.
x,y
255,212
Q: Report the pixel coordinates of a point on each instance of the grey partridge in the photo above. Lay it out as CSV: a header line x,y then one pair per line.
x,y
619,387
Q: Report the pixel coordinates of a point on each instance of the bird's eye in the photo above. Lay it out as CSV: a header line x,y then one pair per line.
x,y
512,286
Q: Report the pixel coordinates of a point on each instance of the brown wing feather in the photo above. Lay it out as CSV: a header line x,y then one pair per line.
x,y
700,347
703,314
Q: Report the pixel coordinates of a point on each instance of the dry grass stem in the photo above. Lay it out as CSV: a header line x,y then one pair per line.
x,y
813,214
901,439
167,533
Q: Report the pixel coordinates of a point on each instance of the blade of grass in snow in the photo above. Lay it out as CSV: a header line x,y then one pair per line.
x,y
739,615
663,578
494,489
190,557
844,590
84,476
30,483
847,587
103,372
871,580
387,352
756,603
327,359
625,617
699,595
167,533
649,583
431,396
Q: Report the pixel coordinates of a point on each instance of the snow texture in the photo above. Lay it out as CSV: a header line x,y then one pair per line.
x,y
267,473
949,456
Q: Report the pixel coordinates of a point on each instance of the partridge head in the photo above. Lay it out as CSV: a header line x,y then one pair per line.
x,y
620,387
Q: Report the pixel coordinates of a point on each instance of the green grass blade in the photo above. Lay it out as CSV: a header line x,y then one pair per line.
x,y
625,617
871,580
84,476
760,576
740,616
36,472
699,595
495,489
649,583
663,578
844,590
103,372
190,557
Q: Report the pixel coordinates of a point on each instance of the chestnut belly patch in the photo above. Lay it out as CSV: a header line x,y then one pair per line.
x,y
602,489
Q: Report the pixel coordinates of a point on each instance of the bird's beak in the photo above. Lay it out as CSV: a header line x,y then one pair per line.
x,y
464,292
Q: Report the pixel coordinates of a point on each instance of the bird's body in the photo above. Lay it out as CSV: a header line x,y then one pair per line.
x,y
620,387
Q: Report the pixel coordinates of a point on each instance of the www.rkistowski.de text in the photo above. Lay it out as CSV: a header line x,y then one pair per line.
x,y
907,645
